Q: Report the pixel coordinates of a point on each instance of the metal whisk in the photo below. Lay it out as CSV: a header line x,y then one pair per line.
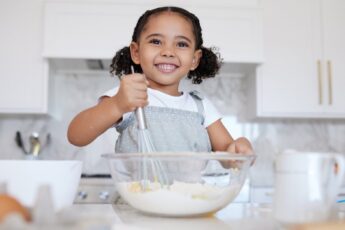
x,y
145,145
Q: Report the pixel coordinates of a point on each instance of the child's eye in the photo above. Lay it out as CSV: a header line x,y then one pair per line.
x,y
155,41
182,44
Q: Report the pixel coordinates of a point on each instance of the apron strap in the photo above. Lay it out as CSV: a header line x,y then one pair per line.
x,y
197,96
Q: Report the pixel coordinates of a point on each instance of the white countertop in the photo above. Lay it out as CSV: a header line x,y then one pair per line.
x,y
235,216
242,216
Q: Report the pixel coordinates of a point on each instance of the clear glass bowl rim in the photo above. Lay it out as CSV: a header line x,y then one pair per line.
x,y
167,155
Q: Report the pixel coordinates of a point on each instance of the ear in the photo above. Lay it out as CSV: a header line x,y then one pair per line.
x,y
134,48
196,59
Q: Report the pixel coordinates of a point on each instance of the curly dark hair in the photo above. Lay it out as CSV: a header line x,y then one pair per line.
x,y
210,60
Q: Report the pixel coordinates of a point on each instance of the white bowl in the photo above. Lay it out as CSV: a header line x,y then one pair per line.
x,y
23,178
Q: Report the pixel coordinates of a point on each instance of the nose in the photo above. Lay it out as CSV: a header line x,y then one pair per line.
x,y
168,51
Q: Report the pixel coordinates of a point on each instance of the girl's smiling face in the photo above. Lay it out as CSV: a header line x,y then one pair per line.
x,y
166,51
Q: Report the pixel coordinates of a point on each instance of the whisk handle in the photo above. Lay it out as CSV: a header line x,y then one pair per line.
x,y
139,113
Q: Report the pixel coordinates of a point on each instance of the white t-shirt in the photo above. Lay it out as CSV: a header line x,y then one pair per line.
x,y
183,102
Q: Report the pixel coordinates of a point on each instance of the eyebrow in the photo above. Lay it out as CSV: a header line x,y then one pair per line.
x,y
160,35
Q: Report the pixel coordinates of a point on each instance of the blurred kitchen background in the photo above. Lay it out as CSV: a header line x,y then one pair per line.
x,y
281,85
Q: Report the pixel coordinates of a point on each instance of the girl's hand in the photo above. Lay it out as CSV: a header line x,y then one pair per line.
x,y
132,92
241,145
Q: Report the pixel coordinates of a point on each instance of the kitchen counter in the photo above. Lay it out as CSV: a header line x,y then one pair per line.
x,y
242,216
234,216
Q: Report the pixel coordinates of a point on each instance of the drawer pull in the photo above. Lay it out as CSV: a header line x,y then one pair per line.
x,y
319,73
330,86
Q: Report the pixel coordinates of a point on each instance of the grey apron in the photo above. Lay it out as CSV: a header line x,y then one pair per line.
x,y
171,130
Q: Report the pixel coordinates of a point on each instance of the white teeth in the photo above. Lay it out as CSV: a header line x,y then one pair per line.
x,y
166,67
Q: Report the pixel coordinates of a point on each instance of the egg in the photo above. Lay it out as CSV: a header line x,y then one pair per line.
x,y
9,205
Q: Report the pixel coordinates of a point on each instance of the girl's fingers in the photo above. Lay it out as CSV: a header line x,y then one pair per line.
x,y
140,95
245,150
232,148
137,82
240,147
142,87
142,103
137,97
243,146
133,89
137,77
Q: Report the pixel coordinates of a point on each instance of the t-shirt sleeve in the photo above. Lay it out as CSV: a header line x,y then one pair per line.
x,y
211,112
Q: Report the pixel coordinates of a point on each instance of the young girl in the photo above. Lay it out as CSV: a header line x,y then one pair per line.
x,y
166,47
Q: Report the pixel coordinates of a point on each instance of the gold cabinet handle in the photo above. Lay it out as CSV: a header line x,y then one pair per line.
x,y
319,74
330,86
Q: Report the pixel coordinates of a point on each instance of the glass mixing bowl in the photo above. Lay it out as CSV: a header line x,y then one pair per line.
x,y
179,184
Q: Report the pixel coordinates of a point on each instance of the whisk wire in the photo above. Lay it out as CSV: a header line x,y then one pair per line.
x,y
145,145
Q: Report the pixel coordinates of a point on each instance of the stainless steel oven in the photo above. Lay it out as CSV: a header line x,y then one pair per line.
x,y
96,188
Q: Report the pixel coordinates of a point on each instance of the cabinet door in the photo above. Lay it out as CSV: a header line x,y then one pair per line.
x,y
288,83
23,72
97,29
94,30
236,32
333,17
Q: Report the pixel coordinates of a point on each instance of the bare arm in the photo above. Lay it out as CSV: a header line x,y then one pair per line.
x,y
92,122
221,140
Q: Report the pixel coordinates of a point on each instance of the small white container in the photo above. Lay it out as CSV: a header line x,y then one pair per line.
x,y
23,178
306,186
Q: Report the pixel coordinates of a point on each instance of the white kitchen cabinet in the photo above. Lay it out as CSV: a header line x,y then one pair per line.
x,y
23,71
97,29
304,72
334,55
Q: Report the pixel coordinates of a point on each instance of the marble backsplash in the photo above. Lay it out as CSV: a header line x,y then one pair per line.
x,y
71,93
